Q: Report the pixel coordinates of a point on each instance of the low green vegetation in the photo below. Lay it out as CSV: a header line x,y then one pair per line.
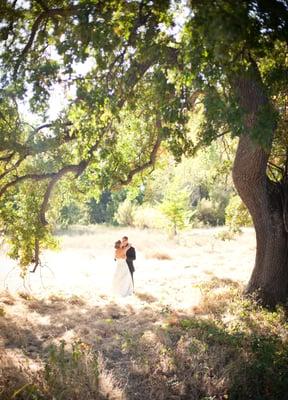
x,y
68,372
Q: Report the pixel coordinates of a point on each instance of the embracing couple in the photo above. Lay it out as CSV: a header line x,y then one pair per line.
x,y
123,284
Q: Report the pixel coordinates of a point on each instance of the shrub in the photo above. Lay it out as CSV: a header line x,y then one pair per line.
x,y
71,214
125,213
208,212
175,207
74,373
237,214
149,217
226,235
70,372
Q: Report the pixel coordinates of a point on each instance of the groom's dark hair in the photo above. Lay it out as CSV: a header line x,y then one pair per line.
x,y
125,237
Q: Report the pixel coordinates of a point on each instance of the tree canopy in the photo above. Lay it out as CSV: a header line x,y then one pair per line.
x,y
115,114
129,74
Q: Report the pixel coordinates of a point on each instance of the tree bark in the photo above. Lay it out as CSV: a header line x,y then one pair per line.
x,y
269,279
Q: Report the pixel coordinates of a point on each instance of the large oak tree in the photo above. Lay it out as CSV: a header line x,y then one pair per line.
x,y
238,55
132,72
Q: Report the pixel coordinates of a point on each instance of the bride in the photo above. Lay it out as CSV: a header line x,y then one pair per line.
x,y
122,284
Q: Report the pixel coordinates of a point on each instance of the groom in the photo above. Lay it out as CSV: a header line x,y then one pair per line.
x,y
131,255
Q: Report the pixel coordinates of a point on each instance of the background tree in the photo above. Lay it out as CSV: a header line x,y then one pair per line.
x,y
175,208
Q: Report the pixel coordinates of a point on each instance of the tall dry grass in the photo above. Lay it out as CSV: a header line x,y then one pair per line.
x,y
163,343
227,347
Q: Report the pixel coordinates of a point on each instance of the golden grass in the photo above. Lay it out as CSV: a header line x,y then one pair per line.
x,y
56,298
183,335
26,296
153,352
156,255
76,300
7,298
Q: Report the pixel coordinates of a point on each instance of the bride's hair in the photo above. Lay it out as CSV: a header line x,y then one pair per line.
x,y
117,244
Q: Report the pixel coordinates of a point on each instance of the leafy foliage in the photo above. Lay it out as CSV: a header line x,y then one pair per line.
x,y
175,208
149,217
105,132
125,213
236,214
130,75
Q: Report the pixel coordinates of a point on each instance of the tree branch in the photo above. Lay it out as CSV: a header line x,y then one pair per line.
x,y
7,158
42,4
45,14
144,166
276,166
13,167
77,169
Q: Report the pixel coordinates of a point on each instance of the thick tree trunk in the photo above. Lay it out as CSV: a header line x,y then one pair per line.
x,y
263,200
269,279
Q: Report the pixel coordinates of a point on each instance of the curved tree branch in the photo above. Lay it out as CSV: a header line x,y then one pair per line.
x,y
13,167
76,168
147,164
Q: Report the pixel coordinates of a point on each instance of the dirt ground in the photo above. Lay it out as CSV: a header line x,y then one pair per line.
x,y
69,296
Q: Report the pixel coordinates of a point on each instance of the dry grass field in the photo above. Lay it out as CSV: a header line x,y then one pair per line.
x,y
186,333
166,269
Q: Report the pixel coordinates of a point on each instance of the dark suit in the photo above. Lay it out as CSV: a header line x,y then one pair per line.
x,y
131,256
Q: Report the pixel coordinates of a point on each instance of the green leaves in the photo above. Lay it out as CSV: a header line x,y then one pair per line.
x,y
129,87
20,220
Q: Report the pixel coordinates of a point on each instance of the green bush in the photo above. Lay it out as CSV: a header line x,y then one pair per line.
x,y
71,214
209,212
237,214
175,207
125,213
149,217
73,373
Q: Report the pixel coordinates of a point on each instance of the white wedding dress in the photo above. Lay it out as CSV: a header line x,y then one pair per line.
x,y
122,284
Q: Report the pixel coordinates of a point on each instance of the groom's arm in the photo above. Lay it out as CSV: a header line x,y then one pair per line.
x,y
131,254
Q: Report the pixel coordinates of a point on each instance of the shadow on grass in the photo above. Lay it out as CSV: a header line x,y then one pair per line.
x,y
236,351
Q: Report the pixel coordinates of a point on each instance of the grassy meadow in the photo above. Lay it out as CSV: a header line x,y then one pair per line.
x,y
186,333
